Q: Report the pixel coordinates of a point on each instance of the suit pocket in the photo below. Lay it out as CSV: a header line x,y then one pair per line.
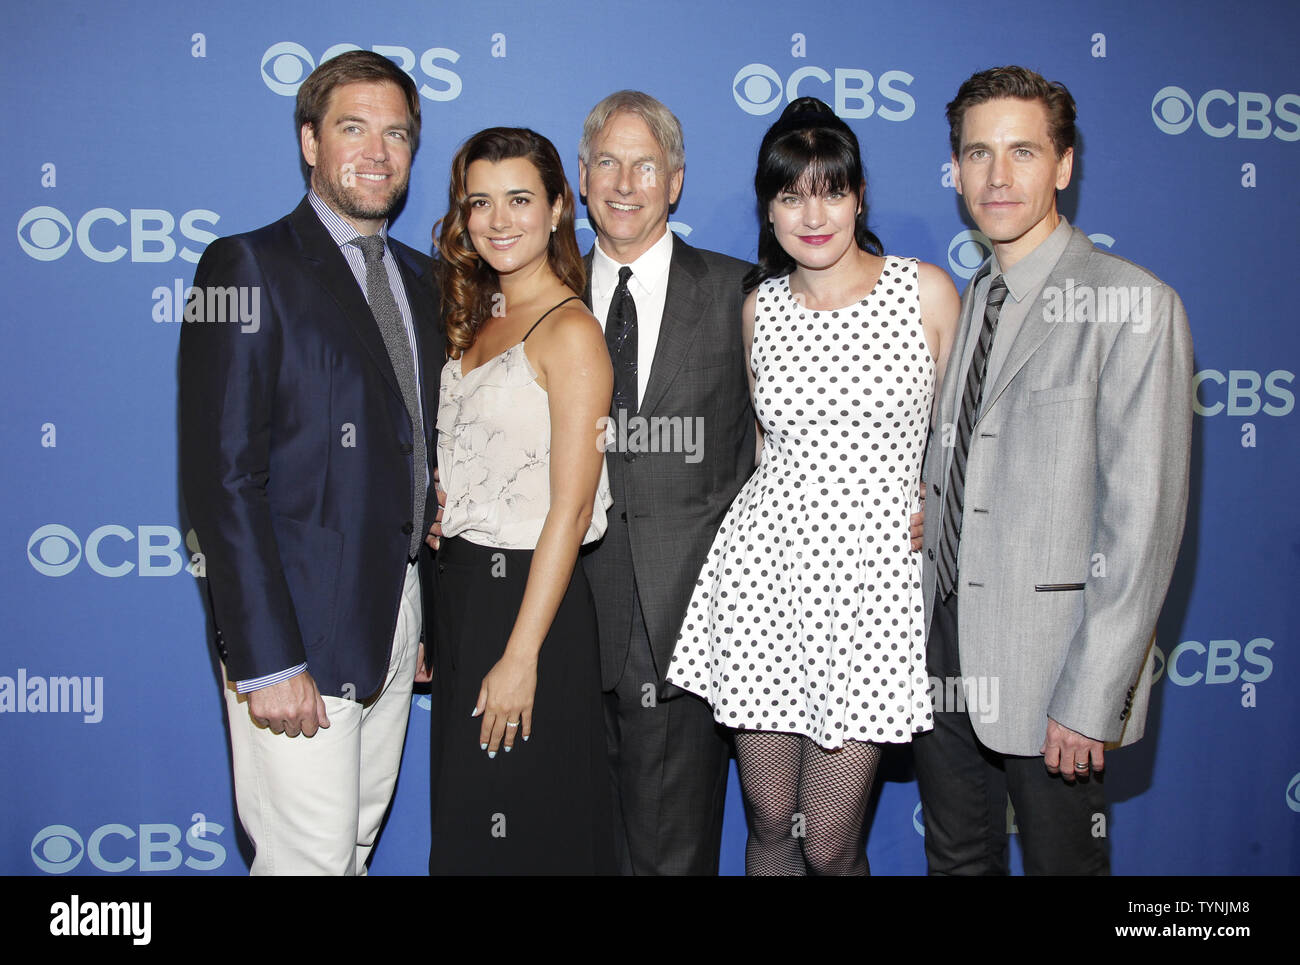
x,y
311,556
1057,587
1063,393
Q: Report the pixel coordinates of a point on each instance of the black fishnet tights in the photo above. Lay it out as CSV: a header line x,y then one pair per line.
x,y
805,805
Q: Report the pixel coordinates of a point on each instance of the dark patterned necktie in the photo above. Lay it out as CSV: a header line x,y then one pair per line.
x,y
970,406
620,336
389,319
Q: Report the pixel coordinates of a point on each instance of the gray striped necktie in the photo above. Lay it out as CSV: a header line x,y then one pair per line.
x,y
389,319
970,406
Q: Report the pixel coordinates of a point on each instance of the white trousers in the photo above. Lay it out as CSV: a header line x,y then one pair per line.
x,y
313,805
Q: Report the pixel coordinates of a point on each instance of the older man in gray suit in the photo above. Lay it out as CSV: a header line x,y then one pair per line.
x,y
1057,483
681,446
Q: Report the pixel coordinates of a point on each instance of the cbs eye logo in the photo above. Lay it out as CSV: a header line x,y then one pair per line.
x,y
54,550
285,66
967,251
57,849
1172,110
45,233
757,89
1293,794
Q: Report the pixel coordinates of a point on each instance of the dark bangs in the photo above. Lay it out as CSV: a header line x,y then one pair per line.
x,y
811,161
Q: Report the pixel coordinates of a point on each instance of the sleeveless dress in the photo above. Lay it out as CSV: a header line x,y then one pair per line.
x,y
808,615
543,808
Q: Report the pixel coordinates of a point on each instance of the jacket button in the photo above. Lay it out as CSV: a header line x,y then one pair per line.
x,y
938,491
930,553
629,457
623,516
407,527
407,448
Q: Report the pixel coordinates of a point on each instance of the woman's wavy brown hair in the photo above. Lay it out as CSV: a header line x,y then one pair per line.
x,y
468,282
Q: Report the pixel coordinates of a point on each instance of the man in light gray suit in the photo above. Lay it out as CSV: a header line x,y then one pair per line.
x,y
1057,485
681,447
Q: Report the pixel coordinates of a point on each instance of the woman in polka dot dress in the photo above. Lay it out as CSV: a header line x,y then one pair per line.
x,y
806,630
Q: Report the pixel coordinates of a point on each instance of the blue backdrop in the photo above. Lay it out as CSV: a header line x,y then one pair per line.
x,y
143,131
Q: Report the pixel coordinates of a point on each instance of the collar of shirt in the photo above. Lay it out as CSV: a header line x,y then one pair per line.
x,y
1029,274
649,272
339,230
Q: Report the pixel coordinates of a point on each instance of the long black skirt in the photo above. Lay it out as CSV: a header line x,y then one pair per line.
x,y
543,808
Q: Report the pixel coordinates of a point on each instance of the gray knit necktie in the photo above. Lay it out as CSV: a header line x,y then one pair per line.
x,y
384,307
955,497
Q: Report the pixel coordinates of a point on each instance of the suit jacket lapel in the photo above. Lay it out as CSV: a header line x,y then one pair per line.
x,y
1035,328
331,270
684,304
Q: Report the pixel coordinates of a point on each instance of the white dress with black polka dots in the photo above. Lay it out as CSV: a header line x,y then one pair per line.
x,y
808,615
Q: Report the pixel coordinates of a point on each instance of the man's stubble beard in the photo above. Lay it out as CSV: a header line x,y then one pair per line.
x,y
342,199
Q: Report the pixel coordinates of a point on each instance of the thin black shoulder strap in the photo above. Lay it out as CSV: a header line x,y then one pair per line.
x,y
547,312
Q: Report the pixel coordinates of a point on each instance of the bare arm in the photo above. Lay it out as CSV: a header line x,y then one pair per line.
x,y
940,310
747,333
574,362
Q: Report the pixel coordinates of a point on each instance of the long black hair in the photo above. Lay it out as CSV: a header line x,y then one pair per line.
x,y
811,150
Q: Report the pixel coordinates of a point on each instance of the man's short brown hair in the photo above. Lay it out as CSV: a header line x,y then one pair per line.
x,y
1022,84
350,67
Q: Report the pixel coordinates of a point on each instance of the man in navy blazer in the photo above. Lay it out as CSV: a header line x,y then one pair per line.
x,y
305,447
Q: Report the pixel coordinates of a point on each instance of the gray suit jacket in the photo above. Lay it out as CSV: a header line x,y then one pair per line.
x,y
667,507
1075,497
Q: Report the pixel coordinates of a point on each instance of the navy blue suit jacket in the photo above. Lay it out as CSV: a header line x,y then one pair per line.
x,y
296,455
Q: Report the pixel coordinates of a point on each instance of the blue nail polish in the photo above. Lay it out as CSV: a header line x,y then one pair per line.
x,y
508,748
491,754
482,747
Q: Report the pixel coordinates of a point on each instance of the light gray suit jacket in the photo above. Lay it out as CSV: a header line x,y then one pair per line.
x,y
1075,497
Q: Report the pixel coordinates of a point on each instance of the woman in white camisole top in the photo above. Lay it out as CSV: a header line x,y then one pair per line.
x,y
520,784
